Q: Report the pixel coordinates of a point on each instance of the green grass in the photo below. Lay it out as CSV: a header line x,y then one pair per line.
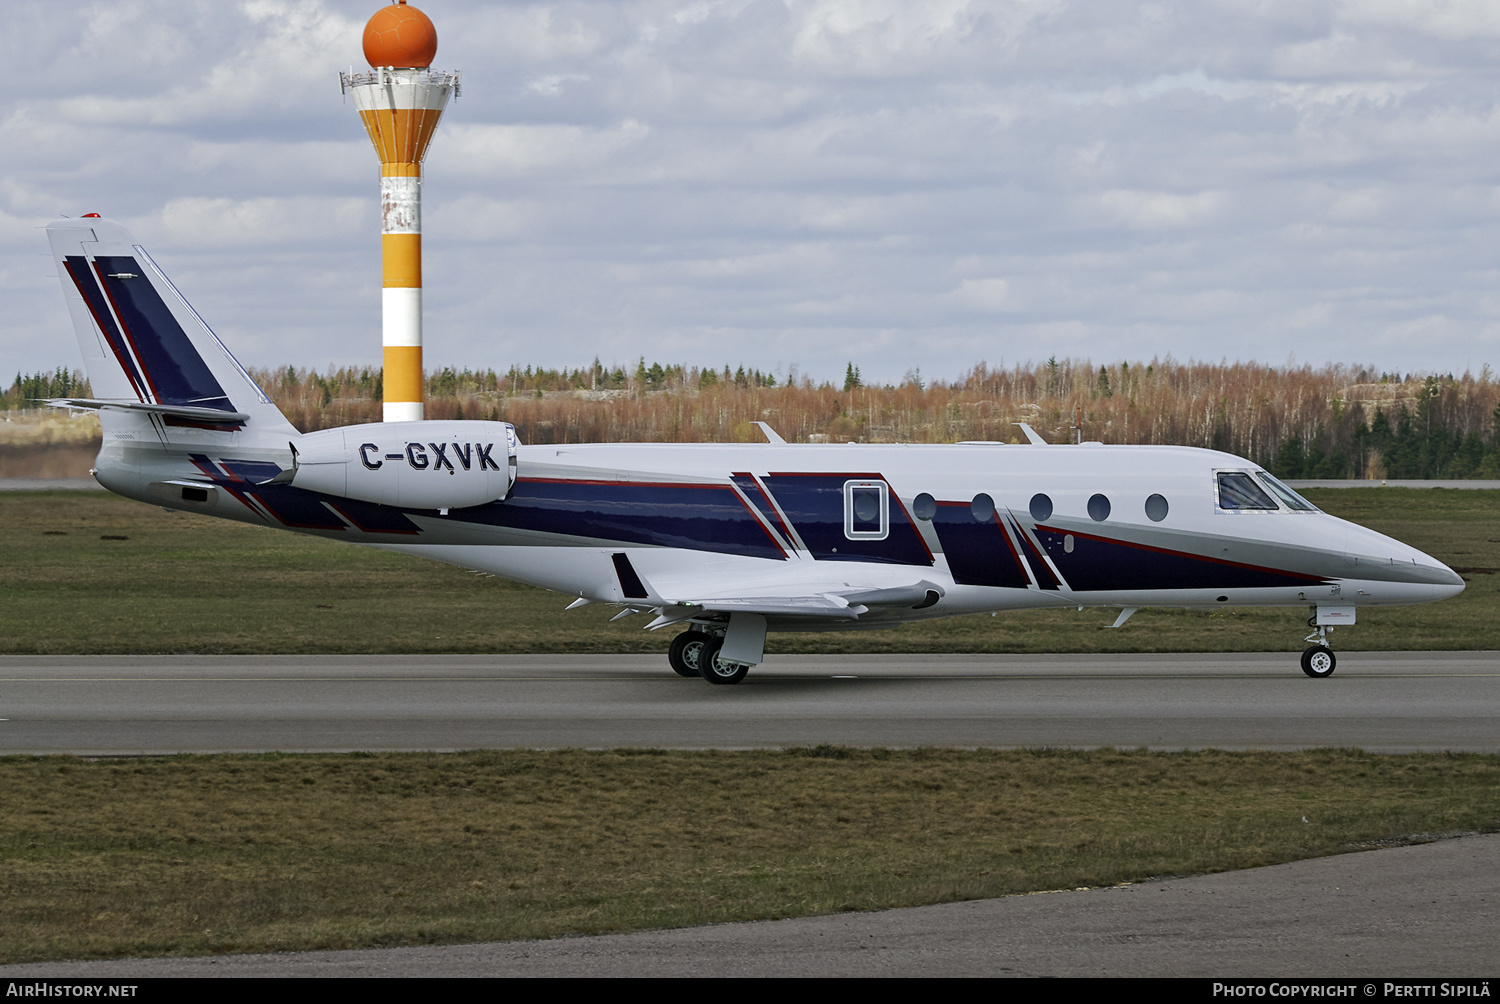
x,y
234,853
186,583
201,854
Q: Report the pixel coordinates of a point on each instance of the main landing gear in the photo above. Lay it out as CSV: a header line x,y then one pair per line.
x,y
686,651
1318,660
696,653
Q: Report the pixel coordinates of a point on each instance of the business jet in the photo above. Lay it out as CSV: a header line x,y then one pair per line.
x,y
729,541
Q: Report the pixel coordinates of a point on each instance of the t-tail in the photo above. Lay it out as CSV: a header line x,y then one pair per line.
x,y
151,360
186,425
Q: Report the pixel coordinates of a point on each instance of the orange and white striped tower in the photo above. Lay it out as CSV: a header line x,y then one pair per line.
x,y
400,101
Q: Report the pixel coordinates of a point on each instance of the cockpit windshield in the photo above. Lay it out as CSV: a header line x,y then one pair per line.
x,y
1289,497
1246,491
1239,492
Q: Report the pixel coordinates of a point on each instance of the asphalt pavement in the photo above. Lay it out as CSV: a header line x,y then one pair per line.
x,y
1380,701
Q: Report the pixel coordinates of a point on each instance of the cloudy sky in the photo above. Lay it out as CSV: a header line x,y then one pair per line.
x,y
776,182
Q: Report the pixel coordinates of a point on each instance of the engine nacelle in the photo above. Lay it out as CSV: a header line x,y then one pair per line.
x,y
418,465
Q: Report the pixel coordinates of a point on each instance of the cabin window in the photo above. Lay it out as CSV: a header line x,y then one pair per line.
x,y
1041,508
1239,492
1156,508
1288,497
983,508
1098,508
924,507
867,510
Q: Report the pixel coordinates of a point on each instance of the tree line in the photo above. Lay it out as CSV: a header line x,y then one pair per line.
x,y
1334,421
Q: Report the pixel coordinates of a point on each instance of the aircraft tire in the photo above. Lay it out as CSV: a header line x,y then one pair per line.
x,y
715,671
1318,661
686,652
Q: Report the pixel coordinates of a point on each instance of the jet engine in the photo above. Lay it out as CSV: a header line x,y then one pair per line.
x,y
416,465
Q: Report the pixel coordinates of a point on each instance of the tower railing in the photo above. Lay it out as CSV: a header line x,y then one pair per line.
x,y
381,75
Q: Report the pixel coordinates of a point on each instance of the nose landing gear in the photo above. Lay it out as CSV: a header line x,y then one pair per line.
x,y
1318,660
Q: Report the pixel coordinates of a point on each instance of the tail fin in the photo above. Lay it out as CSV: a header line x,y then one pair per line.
x,y
143,344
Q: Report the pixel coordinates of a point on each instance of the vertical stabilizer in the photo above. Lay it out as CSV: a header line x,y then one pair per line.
x,y
143,344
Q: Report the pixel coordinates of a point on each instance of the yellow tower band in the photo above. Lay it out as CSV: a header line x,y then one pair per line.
x,y
401,135
403,374
401,260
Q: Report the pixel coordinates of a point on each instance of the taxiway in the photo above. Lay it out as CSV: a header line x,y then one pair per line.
x,y
1384,702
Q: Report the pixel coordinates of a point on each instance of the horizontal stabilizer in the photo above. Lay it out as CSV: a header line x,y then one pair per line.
x,y
175,410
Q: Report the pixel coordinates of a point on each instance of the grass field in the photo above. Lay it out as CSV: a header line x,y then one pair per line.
x,y
86,572
204,854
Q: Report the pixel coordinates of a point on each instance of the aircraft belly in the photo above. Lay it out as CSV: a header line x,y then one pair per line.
x,y
581,571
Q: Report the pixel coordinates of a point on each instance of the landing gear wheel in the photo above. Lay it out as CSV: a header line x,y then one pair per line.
x,y
716,670
686,653
1318,661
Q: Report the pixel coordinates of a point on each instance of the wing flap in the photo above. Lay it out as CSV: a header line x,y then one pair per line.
x,y
841,603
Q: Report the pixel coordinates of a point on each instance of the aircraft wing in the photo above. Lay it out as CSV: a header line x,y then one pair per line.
x,y
838,603
807,606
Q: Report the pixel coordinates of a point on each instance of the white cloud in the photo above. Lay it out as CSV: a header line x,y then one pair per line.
x,y
815,180
551,84
196,223
1446,19
498,151
990,294
1157,210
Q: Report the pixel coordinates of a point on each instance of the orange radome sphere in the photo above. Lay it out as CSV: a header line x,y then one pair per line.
x,y
399,35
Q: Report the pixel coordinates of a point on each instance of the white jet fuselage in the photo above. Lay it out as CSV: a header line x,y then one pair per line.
x,y
772,527
733,539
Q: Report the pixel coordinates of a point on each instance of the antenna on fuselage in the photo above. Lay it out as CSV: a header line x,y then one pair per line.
x,y
1032,436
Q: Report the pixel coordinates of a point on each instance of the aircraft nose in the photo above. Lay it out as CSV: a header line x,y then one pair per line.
x,y
1422,577
1449,583
1427,570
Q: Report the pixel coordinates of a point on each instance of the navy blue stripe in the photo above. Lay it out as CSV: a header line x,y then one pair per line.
x,y
978,553
78,271
696,517
294,507
173,368
762,505
815,505
630,583
297,507
1044,577
1098,563
253,471
372,517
